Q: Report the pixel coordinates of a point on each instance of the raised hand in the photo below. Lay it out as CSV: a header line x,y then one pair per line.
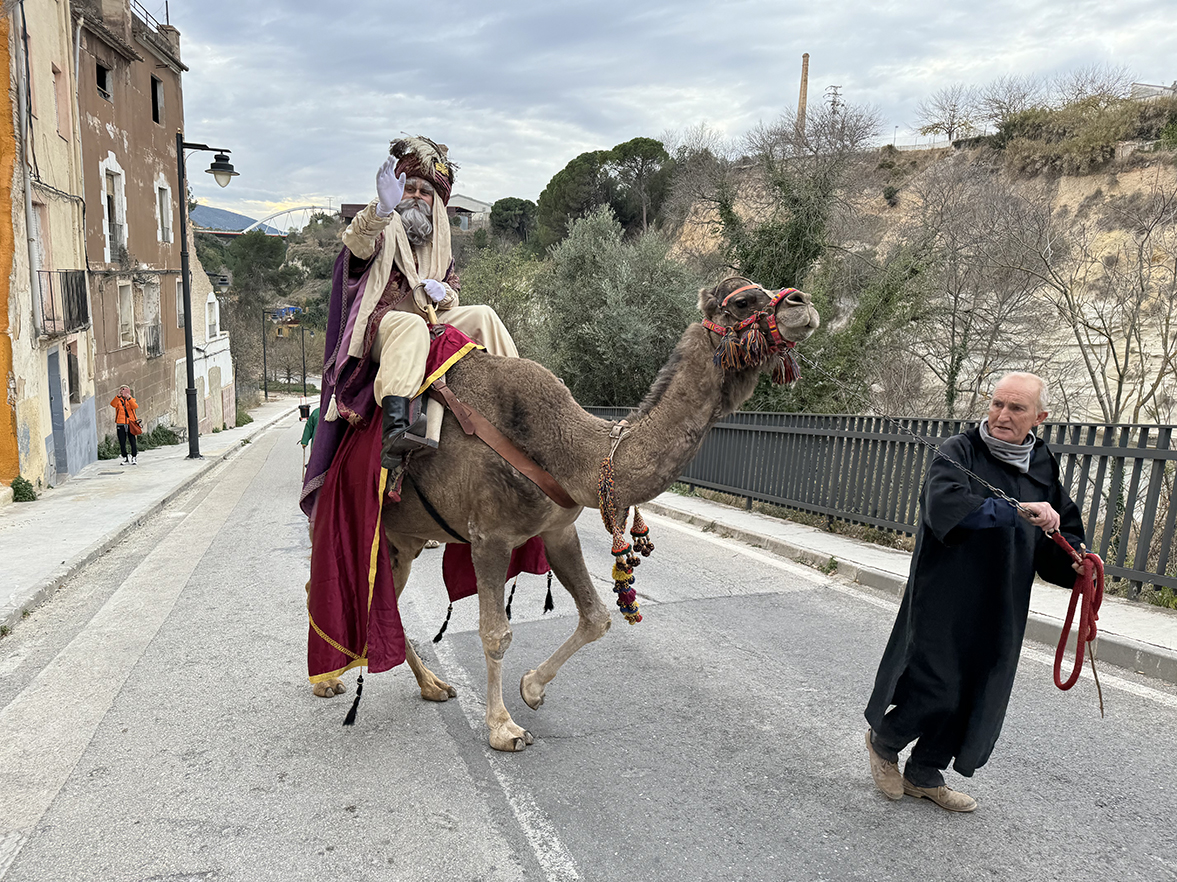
x,y
389,187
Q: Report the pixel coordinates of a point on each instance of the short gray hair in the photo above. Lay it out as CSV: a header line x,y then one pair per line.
x,y
1043,389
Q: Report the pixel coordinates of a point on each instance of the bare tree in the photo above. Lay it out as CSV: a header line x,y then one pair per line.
x,y
950,111
1116,291
1009,95
978,319
1103,83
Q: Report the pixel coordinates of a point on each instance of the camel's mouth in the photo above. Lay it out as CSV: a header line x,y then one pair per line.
x,y
796,318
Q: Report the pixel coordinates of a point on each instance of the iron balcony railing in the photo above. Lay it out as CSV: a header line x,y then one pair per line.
x,y
868,470
115,232
64,308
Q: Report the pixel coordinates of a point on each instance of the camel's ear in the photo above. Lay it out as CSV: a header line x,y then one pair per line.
x,y
709,302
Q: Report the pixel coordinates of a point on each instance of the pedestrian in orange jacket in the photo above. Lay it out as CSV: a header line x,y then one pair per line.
x,y
124,414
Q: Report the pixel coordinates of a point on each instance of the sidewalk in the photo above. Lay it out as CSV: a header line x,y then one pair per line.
x,y
45,542
1132,635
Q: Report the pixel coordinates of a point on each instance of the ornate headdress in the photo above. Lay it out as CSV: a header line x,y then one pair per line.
x,y
421,158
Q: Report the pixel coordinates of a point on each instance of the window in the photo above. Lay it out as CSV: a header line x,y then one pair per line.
x,y
115,232
152,324
163,198
126,314
104,80
61,100
72,374
179,303
157,100
214,317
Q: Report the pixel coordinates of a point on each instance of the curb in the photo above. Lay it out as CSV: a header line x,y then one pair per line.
x,y
1112,649
45,589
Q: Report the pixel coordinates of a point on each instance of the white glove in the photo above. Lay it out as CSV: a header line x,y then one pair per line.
x,y
435,290
389,187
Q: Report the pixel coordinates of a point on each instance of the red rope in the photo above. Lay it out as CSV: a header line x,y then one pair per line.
x,y
1088,588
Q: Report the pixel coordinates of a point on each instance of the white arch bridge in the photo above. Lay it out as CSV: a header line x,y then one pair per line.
x,y
303,212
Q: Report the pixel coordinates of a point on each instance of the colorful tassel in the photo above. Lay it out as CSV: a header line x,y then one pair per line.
x,y
641,535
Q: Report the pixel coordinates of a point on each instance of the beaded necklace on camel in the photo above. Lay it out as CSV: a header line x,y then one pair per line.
x,y
744,345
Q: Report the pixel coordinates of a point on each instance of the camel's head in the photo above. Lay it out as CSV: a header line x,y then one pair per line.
x,y
757,327
736,299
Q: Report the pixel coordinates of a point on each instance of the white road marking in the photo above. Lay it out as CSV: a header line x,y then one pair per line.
x,y
39,752
554,859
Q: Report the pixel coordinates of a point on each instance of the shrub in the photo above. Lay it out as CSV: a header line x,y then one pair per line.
x,y
22,490
243,417
108,448
891,194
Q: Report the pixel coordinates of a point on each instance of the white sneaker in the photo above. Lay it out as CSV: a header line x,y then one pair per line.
x,y
134,461
126,461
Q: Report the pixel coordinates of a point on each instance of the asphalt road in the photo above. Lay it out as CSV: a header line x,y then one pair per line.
x,y
156,724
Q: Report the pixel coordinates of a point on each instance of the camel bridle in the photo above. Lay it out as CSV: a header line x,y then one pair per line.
x,y
745,345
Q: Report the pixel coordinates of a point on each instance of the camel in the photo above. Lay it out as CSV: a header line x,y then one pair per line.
x,y
497,509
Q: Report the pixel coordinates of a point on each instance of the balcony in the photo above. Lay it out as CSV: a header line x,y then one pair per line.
x,y
64,309
115,237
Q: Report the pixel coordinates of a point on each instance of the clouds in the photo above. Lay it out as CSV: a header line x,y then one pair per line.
x,y
308,94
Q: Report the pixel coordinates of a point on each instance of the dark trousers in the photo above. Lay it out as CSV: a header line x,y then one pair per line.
x,y
123,436
936,739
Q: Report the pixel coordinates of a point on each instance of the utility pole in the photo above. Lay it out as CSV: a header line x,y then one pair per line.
x,y
803,99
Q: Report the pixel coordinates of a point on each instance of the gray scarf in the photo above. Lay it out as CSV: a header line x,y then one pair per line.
x,y
1017,455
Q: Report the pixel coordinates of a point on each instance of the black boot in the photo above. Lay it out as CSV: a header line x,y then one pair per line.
x,y
404,430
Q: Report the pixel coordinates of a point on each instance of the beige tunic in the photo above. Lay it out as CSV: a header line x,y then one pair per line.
x,y
402,338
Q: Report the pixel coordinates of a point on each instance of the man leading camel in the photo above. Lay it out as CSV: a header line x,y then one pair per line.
x,y
397,264
946,675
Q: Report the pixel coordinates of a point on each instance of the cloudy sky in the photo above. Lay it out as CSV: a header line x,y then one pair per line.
x,y
308,94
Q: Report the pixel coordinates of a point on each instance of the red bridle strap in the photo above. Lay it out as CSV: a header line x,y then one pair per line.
x,y
723,305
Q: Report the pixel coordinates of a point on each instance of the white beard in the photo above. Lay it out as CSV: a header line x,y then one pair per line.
x,y
417,217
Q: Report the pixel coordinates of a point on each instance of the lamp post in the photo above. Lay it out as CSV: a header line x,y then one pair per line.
x,y
223,172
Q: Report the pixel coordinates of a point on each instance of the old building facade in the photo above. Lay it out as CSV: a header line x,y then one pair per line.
x,y
48,428
131,107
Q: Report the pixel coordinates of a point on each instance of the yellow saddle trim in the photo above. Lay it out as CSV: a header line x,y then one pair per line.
x,y
447,364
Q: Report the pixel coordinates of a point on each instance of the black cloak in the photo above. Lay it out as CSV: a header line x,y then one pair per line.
x,y
953,652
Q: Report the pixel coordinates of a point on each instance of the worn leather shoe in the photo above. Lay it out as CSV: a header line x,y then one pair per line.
x,y
886,775
944,796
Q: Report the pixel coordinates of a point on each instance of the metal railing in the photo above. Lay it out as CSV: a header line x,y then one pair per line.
x,y
64,309
866,470
115,232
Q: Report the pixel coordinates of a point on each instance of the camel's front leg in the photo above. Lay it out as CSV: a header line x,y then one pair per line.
x,y
567,560
491,559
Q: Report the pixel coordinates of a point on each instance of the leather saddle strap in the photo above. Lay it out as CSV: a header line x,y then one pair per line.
x,y
474,423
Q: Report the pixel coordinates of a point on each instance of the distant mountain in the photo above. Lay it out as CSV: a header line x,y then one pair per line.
x,y
209,218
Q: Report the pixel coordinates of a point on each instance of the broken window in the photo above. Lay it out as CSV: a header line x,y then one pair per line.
x,y
164,200
157,99
104,80
126,314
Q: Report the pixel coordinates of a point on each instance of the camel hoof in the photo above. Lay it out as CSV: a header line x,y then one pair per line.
x,y
330,688
439,692
509,742
531,691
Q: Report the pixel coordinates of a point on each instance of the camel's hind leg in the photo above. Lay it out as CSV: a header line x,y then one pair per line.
x,y
491,559
567,560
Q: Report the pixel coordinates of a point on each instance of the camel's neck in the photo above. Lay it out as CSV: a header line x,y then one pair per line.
x,y
687,399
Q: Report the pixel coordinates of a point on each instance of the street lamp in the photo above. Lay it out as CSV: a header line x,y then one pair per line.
x,y
223,171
